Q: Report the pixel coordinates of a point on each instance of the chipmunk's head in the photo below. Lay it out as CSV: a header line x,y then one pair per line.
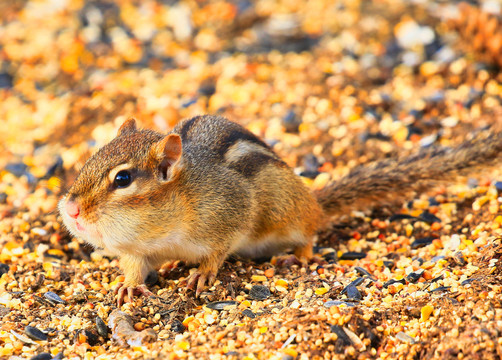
x,y
114,200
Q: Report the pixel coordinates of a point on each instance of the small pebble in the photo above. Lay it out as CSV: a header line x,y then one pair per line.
x,y
220,305
101,327
54,298
353,293
352,255
23,338
467,281
287,357
91,337
6,80
397,217
42,356
311,165
388,264
259,292
356,282
152,278
4,269
437,258
376,136
363,272
394,281
459,258
449,121
429,140
331,257
35,334
419,260
405,337
291,121
342,336
177,326
248,313
17,169
414,276
331,303
440,288
498,186
418,243
207,89
428,217
436,279
54,168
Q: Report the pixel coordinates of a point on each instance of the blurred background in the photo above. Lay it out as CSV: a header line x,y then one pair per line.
x,y
330,84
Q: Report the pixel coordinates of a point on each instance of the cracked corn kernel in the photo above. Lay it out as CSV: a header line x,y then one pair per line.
x,y
269,273
193,325
183,345
139,326
188,320
479,202
291,352
426,312
321,291
281,282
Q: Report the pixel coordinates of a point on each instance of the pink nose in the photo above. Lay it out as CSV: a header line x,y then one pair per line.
x,y
72,209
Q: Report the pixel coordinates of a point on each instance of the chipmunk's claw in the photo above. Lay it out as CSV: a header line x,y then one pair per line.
x,y
318,260
200,278
122,288
167,267
289,260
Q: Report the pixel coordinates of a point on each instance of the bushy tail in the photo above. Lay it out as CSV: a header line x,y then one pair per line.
x,y
391,179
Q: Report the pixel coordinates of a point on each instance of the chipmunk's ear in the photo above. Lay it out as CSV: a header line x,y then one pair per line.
x,y
129,126
168,151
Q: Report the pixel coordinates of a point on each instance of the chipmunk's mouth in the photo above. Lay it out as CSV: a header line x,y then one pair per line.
x,y
79,227
85,231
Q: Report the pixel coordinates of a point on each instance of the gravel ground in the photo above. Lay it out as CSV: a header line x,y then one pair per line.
x,y
330,85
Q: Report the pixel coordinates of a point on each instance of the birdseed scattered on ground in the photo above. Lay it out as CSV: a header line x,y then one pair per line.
x,y
330,85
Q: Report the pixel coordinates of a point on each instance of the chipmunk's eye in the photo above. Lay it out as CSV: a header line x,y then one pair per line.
x,y
122,179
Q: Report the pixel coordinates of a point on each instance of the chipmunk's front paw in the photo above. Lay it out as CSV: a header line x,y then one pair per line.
x,y
123,289
200,278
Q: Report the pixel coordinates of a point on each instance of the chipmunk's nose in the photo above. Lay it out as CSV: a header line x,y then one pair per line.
x,y
72,209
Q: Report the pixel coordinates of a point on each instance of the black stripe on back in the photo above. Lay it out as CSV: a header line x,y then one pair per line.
x,y
238,134
249,165
186,127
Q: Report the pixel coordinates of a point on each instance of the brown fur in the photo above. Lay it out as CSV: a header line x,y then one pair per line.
x,y
393,180
210,188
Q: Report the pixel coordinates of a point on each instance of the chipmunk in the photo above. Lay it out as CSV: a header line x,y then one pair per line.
x,y
211,188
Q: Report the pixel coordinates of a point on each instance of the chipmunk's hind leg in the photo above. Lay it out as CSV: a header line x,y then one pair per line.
x,y
303,254
305,251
